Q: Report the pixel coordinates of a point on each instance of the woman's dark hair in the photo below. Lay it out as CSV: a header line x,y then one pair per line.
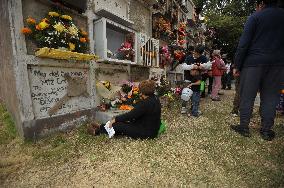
x,y
199,49
190,48
147,87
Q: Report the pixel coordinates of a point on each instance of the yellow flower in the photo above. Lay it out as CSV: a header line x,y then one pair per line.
x,y
42,25
66,17
59,27
73,30
71,46
53,14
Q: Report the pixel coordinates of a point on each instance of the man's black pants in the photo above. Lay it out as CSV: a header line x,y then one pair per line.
x,y
266,80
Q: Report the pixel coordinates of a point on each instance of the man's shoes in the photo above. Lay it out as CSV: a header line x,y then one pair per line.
x,y
242,131
235,114
267,135
93,129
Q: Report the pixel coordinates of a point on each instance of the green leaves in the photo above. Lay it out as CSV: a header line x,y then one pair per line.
x,y
227,18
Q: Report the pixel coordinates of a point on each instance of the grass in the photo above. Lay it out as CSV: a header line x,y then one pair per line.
x,y
194,152
8,130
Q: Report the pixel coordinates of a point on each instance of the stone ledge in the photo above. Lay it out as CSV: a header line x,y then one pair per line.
x,y
39,128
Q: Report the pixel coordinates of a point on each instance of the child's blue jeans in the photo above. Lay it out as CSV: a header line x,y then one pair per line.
x,y
195,98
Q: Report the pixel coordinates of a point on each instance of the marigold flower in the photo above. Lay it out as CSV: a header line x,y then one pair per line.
x,y
53,14
42,25
66,17
84,33
26,30
37,27
71,46
59,27
45,20
30,20
83,40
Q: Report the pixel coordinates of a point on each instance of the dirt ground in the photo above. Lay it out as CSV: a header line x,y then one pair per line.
x,y
194,152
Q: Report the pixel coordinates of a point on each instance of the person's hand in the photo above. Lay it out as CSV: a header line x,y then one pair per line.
x,y
111,122
195,67
189,85
236,72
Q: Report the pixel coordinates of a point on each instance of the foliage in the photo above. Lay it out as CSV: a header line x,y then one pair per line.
x,y
163,88
226,18
56,31
9,131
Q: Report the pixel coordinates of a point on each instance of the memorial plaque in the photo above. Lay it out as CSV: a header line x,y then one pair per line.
x,y
48,85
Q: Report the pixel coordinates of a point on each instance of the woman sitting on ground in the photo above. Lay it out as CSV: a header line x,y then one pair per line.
x,y
143,121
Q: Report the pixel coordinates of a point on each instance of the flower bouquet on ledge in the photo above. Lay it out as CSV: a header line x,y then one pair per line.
x,y
56,31
126,51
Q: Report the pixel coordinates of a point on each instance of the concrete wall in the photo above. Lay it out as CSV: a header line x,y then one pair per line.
x,y
140,14
30,85
7,63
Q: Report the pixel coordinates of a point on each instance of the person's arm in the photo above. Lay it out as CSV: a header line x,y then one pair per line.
x,y
198,82
207,65
185,66
244,43
135,113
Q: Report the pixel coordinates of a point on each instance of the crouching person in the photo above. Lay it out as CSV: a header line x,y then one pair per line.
x,y
142,122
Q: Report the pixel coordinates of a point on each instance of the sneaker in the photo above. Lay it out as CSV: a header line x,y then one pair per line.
x,y
267,135
242,131
235,114
183,110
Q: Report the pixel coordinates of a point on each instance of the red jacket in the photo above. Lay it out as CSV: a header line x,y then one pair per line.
x,y
218,67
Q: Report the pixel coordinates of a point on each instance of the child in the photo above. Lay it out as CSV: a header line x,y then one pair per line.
x,y
195,87
218,67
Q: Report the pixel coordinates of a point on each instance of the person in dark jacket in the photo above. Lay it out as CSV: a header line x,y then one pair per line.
x,y
141,122
260,61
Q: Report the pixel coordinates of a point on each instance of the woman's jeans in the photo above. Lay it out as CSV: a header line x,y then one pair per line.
x,y
195,103
216,86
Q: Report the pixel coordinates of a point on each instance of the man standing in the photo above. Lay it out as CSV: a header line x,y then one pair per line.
x,y
260,60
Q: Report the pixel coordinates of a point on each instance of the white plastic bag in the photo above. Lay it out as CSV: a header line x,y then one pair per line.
x,y
186,94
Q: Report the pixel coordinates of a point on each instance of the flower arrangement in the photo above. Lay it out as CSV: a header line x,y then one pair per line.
x,y
131,93
126,51
182,33
163,88
165,56
56,31
162,27
126,88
